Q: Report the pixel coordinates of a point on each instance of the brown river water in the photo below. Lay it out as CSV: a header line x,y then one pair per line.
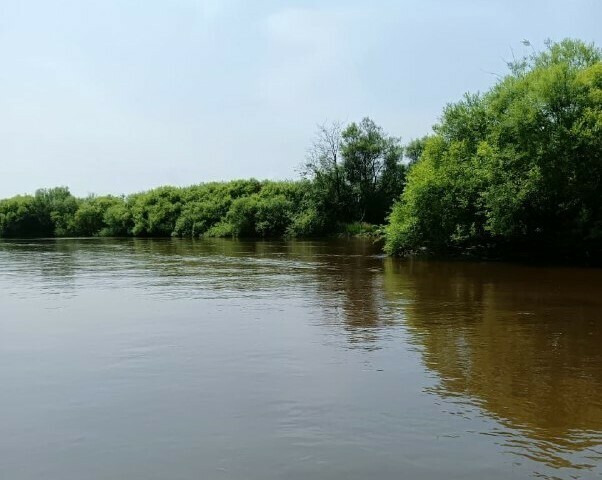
x,y
220,359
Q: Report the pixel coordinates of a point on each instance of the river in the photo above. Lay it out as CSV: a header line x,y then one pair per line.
x,y
221,359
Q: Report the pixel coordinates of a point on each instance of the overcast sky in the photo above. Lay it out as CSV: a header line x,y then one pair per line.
x,y
116,96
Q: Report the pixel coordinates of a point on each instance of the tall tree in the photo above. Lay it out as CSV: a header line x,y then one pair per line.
x,y
413,150
324,166
373,169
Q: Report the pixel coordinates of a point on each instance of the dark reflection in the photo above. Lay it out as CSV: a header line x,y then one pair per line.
x,y
356,284
346,274
52,262
522,343
343,277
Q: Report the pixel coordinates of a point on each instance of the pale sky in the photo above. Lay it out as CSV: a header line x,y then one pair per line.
x,y
117,96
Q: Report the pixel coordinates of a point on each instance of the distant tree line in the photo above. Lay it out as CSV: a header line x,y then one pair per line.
x,y
351,178
517,169
238,208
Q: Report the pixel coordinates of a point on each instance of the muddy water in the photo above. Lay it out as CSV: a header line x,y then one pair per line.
x,y
155,359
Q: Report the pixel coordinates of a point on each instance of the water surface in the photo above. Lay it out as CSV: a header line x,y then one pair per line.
x,y
218,359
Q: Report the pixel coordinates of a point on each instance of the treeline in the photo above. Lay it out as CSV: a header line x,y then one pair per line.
x,y
513,171
352,176
238,208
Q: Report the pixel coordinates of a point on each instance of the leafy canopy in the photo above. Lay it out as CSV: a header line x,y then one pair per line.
x,y
518,168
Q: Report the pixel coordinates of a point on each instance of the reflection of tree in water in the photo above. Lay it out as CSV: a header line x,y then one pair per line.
x,y
342,278
345,275
349,286
51,262
238,268
524,344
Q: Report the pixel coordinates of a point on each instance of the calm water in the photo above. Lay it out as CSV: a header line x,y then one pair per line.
x,y
145,359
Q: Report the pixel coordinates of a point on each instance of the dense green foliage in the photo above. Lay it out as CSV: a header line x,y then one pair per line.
x,y
246,208
46,213
515,170
361,188
358,172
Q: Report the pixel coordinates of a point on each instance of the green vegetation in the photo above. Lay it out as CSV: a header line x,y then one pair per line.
x,y
357,172
352,177
241,208
516,170
246,208
47,213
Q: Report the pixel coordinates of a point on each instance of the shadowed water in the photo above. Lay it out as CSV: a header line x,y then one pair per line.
x,y
219,359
